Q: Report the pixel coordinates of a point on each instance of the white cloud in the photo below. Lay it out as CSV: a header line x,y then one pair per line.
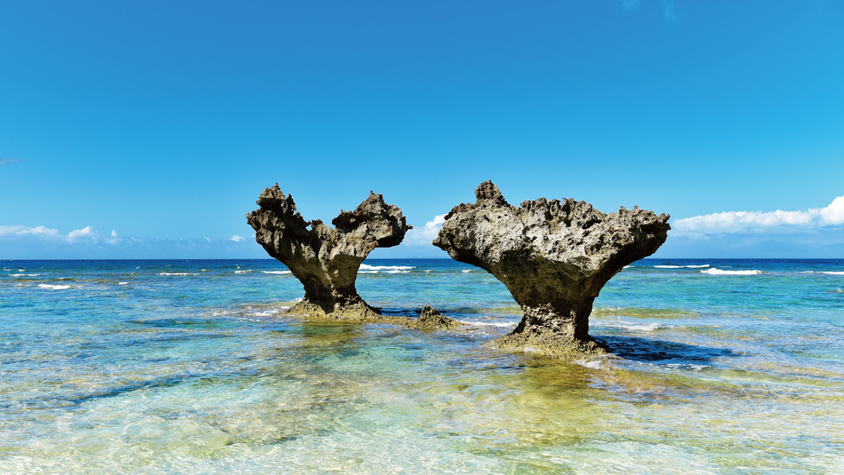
x,y
732,222
114,239
424,235
41,242
82,234
17,230
4,161
834,213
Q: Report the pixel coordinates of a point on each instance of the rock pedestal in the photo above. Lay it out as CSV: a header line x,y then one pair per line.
x,y
325,259
554,256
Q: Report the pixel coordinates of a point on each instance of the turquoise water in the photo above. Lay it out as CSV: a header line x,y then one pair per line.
x,y
723,366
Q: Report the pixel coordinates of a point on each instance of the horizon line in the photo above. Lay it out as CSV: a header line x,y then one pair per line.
x,y
417,258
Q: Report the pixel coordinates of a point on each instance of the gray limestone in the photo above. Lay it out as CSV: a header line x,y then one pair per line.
x,y
554,256
325,259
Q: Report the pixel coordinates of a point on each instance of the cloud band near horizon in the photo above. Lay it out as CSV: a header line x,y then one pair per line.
x,y
732,222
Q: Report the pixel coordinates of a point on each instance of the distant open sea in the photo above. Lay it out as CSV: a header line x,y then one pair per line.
x,y
723,366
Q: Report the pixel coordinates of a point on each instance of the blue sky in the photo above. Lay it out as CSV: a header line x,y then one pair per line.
x,y
148,129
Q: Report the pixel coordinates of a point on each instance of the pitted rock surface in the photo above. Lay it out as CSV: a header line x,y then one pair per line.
x,y
325,259
430,319
553,255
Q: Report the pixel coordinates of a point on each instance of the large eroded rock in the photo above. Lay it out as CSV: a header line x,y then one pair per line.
x,y
554,257
325,259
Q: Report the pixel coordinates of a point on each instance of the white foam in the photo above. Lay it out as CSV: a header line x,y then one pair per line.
x,y
682,267
21,270
54,287
269,312
731,272
693,367
489,324
367,272
7,270
279,272
397,272
242,271
369,267
176,273
122,283
627,267
466,271
24,275
593,364
833,273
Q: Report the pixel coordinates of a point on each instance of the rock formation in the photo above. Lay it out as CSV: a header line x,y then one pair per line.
x,y
326,260
430,319
554,257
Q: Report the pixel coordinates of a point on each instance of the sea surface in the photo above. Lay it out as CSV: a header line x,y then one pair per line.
x,y
721,366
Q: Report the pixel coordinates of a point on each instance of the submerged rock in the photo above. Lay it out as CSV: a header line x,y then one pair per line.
x,y
554,256
325,259
431,319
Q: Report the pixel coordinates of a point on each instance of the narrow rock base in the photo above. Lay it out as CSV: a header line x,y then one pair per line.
x,y
360,312
429,319
548,343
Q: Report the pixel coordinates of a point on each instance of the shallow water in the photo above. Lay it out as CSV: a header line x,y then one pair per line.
x,y
186,366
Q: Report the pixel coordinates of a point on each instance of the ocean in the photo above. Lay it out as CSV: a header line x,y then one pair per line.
x,y
720,366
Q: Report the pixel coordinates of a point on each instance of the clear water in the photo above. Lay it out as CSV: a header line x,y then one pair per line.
x,y
187,367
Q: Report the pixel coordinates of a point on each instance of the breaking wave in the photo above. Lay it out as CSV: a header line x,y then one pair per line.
x,y
731,272
376,268
489,324
682,267
54,287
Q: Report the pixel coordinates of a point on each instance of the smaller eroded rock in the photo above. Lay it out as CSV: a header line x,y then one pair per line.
x,y
554,256
326,260
431,319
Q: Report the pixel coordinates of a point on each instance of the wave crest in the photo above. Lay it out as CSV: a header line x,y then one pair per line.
x,y
731,272
53,287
